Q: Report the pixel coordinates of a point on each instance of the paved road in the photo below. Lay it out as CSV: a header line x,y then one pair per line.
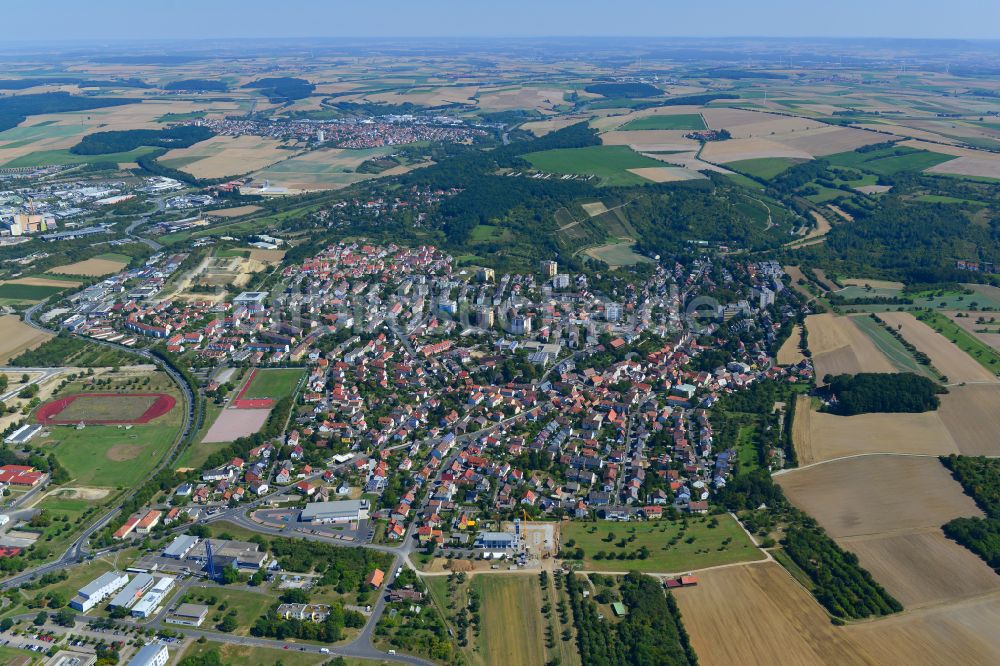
x,y
15,388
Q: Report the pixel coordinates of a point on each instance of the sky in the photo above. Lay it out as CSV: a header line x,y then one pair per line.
x,y
105,20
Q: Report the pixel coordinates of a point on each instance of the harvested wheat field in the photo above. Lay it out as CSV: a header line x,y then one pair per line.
x,y
666,174
17,337
922,567
223,156
270,257
756,614
874,284
543,127
972,415
38,281
541,99
233,212
969,166
790,354
821,436
954,363
877,494
90,268
840,347
829,140
651,140
847,217
735,150
888,510
967,320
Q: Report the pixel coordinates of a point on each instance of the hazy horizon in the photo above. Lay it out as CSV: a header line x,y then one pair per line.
x,y
122,20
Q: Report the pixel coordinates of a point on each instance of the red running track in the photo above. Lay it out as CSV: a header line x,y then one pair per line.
x,y
49,412
239,402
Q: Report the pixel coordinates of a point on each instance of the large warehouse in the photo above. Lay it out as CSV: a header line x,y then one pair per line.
x,y
344,511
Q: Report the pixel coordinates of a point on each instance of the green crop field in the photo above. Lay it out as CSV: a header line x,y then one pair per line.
x,y
889,161
50,157
697,547
609,163
26,293
682,121
764,167
274,384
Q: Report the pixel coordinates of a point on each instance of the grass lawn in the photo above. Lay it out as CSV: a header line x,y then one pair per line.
x,y
985,355
248,605
78,576
274,384
609,163
682,121
892,348
764,167
49,157
698,547
9,655
245,654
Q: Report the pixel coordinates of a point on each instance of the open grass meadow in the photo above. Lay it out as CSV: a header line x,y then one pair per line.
x,y
609,163
274,384
707,541
245,606
682,121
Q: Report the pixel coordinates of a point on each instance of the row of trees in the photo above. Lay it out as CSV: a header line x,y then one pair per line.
x,y
980,477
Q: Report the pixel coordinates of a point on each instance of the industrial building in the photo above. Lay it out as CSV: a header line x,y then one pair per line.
x,y
132,592
152,600
343,511
23,434
154,654
190,615
98,590
180,547
495,540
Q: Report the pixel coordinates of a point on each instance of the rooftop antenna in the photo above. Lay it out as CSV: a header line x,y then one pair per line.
x,y
211,560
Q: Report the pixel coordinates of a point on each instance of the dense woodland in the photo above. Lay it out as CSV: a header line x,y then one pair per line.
x,y
651,634
101,143
868,392
626,90
197,85
980,477
283,88
14,109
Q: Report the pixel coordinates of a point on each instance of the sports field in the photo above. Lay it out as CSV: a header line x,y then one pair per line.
x,y
610,164
105,408
681,121
274,384
617,254
671,548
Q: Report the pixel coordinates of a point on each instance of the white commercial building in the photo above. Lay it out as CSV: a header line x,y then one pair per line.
x,y
153,598
154,654
98,590
344,511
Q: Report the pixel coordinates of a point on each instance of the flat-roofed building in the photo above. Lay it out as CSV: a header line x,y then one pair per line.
x,y
343,511
152,599
98,590
154,654
495,540
190,615
133,591
180,546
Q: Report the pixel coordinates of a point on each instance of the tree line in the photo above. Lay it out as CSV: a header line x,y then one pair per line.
x,y
980,477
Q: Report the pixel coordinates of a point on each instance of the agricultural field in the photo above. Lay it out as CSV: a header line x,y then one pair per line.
x,y
820,436
512,624
892,348
224,156
948,357
680,121
17,337
901,544
765,168
972,415
889,161
790,353
328,168
31,290
95,267
840,347
610,164
699,546
237,211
